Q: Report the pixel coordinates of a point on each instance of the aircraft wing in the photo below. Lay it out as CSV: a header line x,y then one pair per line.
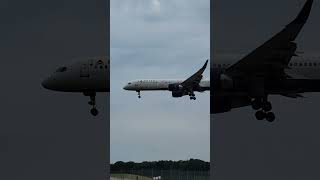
x,y
272,57
293,95
292,75
195,78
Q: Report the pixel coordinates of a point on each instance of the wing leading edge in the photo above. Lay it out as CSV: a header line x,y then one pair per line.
x,y
272,57
195,78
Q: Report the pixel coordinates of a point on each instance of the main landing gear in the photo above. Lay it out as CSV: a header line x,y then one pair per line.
x,y
192,96
263,107
139,95
94,111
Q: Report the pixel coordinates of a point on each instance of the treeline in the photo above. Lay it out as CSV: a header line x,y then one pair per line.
x,y
189,165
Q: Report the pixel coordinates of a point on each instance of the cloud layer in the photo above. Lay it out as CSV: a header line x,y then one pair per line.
x,y
158,40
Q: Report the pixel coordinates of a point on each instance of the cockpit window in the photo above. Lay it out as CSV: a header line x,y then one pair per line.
x,y
129,83
61,69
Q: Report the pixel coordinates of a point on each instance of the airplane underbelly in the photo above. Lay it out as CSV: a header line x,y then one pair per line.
x,y
313,73
163,86
154,86
307,73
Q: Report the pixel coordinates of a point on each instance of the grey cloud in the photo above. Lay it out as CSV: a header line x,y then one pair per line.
x,y
170,43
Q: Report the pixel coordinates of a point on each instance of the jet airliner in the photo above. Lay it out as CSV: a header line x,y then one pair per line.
x,y
178,88
88,76
273,68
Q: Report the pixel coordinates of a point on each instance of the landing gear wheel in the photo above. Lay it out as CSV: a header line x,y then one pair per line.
x,y
94,111
270,117
192,95
256,104
92,102
267,106
139,96
260,115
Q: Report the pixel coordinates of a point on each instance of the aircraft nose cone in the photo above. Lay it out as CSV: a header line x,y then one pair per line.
x,y
45,83
125,87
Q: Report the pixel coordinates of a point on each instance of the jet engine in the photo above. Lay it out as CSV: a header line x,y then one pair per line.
x,y
177,93
220,104
222,81
175,87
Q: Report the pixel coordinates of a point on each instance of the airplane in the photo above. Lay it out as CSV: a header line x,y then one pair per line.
x,y
88,76
274,68
178,88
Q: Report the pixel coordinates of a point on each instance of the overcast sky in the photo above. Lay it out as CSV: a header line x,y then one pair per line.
x,y
244,148
153,39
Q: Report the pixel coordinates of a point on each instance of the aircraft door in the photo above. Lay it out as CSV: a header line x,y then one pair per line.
x,y
97,68
84,71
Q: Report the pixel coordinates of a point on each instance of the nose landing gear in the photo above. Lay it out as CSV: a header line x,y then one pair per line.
x,y
139,95
94,111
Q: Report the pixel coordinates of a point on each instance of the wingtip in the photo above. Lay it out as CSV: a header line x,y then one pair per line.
x,y
205,64
304,13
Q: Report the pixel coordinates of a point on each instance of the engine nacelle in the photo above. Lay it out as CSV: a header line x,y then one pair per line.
x,y
175,87
220,104
177,93
222,81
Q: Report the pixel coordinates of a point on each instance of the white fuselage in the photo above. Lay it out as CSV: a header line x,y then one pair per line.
x,y
89,75
307,67
154,84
